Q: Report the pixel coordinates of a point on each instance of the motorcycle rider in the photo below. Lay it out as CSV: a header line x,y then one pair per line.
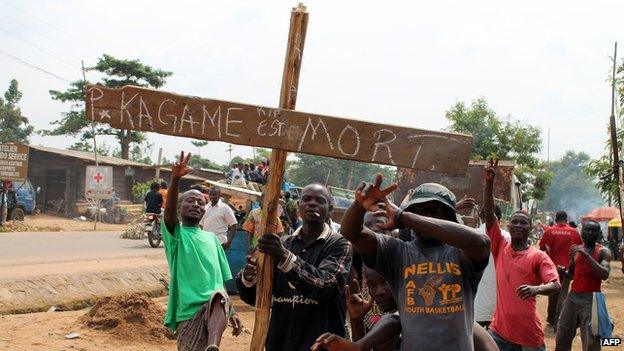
x,y
153,199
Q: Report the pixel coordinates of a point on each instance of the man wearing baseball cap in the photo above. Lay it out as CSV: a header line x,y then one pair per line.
x,y
434,277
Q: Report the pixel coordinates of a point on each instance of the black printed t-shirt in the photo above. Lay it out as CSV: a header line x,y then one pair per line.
x,y
153,201
308,300
434,288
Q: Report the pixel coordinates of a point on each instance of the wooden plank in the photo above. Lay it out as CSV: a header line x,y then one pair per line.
x,y
269,221
161,112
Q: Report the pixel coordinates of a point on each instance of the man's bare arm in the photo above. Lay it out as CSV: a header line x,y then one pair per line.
x,y
178,170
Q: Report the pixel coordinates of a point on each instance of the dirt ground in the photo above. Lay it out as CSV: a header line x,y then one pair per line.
x,y
46,331
47,223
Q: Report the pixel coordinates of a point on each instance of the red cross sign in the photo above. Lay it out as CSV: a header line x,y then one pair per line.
x,y
98,177
99,182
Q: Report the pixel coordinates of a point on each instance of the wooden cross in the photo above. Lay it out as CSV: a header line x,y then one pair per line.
x,y
281,129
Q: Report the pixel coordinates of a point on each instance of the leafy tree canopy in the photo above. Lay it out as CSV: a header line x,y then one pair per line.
x,y
116,73
308,169
505,138
13,126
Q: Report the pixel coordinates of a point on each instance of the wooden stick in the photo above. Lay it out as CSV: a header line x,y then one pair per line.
x,y
288,99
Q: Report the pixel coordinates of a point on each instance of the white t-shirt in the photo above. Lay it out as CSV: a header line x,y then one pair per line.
x,y
485,300
217,219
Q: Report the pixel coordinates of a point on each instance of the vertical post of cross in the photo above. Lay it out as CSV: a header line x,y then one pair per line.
x,y
288,99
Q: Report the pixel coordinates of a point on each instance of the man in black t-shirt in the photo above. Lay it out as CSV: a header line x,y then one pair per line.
x,y
153,199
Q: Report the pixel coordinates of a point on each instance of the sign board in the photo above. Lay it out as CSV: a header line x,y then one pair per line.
x,y
99,182
143,109
13,161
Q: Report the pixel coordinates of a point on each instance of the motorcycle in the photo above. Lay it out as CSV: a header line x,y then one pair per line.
x,y
152,229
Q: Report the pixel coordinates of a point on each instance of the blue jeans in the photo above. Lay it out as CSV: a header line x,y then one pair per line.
x,y
505,345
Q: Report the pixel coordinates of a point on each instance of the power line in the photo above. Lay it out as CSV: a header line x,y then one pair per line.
x,y
31,15
33,66
38,48
39,32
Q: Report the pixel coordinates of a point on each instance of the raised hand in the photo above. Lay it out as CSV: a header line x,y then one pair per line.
x,y
490,170
369,195
181,168
357,305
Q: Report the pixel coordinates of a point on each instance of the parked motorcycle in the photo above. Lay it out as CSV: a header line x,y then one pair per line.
x,y
152,229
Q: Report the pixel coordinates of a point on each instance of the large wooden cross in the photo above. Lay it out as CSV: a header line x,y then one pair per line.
x,y
281,129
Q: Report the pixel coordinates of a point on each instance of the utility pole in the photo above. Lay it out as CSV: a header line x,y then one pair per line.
x,y
95,154
229,150
157,175
614,144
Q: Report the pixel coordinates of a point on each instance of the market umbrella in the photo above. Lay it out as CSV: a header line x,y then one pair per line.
x,y
602,214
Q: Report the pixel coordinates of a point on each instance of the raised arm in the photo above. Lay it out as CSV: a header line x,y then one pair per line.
x,y
367,196
488,193
474,245
178,170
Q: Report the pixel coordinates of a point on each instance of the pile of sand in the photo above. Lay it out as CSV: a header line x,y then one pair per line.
x,y
130,317
18,226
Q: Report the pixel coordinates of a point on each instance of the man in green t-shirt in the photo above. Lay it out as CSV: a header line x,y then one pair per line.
x,y
198,307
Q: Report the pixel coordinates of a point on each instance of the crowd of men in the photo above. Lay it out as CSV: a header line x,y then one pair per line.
x,y
405,276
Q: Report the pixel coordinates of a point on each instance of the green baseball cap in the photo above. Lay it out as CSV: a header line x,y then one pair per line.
x,y
433,192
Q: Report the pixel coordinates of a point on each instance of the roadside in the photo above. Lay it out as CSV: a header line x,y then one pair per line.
x,y
47,223
48,330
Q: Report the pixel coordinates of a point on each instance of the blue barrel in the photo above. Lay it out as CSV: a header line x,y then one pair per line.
x,y
236,255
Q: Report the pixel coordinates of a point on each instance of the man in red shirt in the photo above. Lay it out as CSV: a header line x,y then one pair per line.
x,y
556,242
589,265
522,272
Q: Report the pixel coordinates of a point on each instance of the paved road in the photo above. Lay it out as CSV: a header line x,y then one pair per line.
x,y
36,248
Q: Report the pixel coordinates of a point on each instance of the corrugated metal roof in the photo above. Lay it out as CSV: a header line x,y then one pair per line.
x,y
88,156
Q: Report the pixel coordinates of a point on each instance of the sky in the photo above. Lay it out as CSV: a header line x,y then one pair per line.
x,y
400,62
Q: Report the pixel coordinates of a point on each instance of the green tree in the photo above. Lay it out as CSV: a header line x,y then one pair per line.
x,y
13,126
306,169
572,190
139,152
201,162
505,138
87,145
601,169
117,73
199,144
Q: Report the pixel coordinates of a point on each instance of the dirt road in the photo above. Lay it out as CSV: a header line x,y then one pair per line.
x,y
47,247
46,331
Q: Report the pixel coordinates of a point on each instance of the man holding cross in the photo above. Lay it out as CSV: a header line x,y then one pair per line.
x,y
311,269
198,307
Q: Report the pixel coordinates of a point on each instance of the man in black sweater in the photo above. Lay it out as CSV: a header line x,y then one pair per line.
x,y
311,269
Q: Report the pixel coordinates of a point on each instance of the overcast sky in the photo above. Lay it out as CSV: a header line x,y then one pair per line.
x,y
405,63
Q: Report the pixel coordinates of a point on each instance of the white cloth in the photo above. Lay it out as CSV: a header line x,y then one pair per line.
x,y
217,219
335,226
485,300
